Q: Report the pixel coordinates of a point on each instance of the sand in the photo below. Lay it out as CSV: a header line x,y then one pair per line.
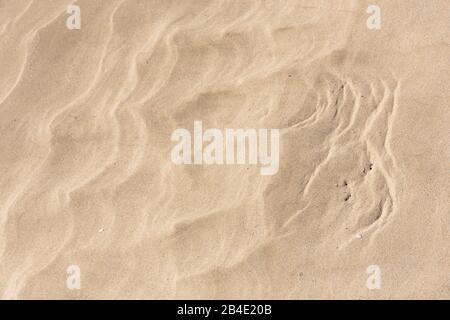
x,y
92,207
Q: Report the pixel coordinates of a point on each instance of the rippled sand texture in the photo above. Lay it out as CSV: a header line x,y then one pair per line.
x,y
86,177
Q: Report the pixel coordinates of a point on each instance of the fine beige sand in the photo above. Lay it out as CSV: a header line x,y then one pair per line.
x,y
86,177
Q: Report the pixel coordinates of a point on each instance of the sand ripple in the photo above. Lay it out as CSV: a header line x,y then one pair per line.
x,y
85,150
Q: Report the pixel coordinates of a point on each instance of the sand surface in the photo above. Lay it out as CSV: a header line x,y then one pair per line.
x,y
86,177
